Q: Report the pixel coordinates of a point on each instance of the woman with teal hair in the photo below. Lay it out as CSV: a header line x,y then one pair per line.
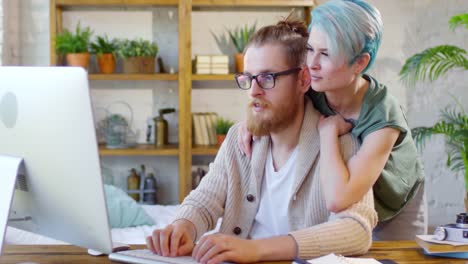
x,y
344,38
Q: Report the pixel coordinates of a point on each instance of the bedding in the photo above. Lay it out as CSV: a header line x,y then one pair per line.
x,y
161,214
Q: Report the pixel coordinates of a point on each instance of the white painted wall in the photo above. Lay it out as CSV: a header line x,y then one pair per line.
x,y
410,26
2,26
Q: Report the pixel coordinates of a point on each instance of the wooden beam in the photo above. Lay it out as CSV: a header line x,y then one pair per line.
x,y
116,2
53,31
285,3
185,93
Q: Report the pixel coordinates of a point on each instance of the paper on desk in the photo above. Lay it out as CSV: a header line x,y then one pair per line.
x,y
430,238
336,259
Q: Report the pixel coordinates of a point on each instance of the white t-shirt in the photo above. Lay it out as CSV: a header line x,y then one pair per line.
x,y
272,215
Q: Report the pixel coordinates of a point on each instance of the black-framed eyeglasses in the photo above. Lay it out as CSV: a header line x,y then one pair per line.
x,y
265,80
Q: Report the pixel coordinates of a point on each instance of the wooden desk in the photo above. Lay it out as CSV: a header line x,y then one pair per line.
x,y
402,252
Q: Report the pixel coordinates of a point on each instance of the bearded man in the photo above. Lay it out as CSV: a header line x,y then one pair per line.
x,y
271,204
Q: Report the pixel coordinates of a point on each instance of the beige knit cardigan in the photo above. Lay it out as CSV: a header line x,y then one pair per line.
x,y
231,190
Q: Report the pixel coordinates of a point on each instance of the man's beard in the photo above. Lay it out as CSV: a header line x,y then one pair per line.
x,y
272,118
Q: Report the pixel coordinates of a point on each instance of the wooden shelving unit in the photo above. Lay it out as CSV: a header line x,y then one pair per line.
x,y
205,150
141,150
213,77
141,77
184,150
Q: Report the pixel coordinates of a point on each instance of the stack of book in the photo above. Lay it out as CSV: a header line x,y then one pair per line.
x,y
211,64
204,130
443,248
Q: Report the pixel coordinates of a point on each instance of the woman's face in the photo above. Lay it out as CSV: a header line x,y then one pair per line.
x,y
327,73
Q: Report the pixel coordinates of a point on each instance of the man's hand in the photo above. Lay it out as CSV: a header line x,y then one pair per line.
x,y
174,240
244,139
216,248
333,124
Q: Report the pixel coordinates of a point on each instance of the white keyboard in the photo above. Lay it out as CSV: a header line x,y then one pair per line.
x,y
145,256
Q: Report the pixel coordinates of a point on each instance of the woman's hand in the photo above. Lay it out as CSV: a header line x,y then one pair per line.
x,y
334,124
244,139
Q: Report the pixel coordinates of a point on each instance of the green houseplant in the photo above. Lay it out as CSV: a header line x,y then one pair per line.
x,y
139,55
222,126
74,45
240,37
431,64
105,50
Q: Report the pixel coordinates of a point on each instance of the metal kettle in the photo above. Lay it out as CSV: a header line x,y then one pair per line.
x,y
161,127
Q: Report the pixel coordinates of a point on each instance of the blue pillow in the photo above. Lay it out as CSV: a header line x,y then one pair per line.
x,y
123,211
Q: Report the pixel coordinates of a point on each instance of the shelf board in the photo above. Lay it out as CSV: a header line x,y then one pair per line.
x,y
213,77
210,150
125,76
141,150
285,3
115,2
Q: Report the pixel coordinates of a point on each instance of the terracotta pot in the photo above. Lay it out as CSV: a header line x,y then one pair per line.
x,y
139,65
78,59
106,63
239,59
220,139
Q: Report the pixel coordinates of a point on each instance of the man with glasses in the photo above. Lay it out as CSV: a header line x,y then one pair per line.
x,y
271,204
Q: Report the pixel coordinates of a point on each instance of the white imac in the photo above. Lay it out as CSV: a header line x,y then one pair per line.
x,y
46,120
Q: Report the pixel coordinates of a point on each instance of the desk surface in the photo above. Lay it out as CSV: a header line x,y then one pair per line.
x,y
402,252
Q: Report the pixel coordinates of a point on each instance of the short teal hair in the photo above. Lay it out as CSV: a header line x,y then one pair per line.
x,y
353,27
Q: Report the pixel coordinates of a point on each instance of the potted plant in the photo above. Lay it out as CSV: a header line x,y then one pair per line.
x,y
431,64
240,37
138,55
74,46
222,126
105,53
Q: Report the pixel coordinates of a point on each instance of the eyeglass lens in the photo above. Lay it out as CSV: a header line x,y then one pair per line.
x,y
266,81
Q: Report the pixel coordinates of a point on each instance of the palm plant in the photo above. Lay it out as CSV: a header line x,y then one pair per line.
x,y
431,64
102,45
240,36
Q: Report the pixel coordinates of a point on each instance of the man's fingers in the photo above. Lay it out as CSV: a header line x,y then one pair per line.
x,y
149,244
203,247
164,240
156,244
185,249
210,253
226,256
175,241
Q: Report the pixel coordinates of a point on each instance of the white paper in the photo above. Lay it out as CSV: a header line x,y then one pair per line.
x,y
430,238
337,259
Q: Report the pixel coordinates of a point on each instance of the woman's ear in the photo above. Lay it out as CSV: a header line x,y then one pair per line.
x,y
361,63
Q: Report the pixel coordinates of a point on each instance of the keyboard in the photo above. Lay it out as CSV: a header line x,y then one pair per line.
x,y
145,256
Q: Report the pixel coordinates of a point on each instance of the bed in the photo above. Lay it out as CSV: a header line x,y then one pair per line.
x,y
162,214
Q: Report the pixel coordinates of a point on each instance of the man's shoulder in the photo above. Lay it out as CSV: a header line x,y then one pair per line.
x,y
349,145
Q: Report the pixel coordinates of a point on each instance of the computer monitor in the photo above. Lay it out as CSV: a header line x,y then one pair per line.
x,y
46,119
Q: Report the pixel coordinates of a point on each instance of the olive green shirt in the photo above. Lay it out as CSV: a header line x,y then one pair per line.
x,y
403,172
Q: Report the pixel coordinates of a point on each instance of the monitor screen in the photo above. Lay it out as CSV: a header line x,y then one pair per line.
x,y
46,119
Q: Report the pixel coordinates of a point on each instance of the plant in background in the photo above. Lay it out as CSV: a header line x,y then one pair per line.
x,y
431,64
223,125
77,42
102,45
74,46
137,48
105,51
240,37
139,55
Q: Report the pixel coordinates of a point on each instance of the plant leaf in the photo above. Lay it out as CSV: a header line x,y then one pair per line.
x,y
433,63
